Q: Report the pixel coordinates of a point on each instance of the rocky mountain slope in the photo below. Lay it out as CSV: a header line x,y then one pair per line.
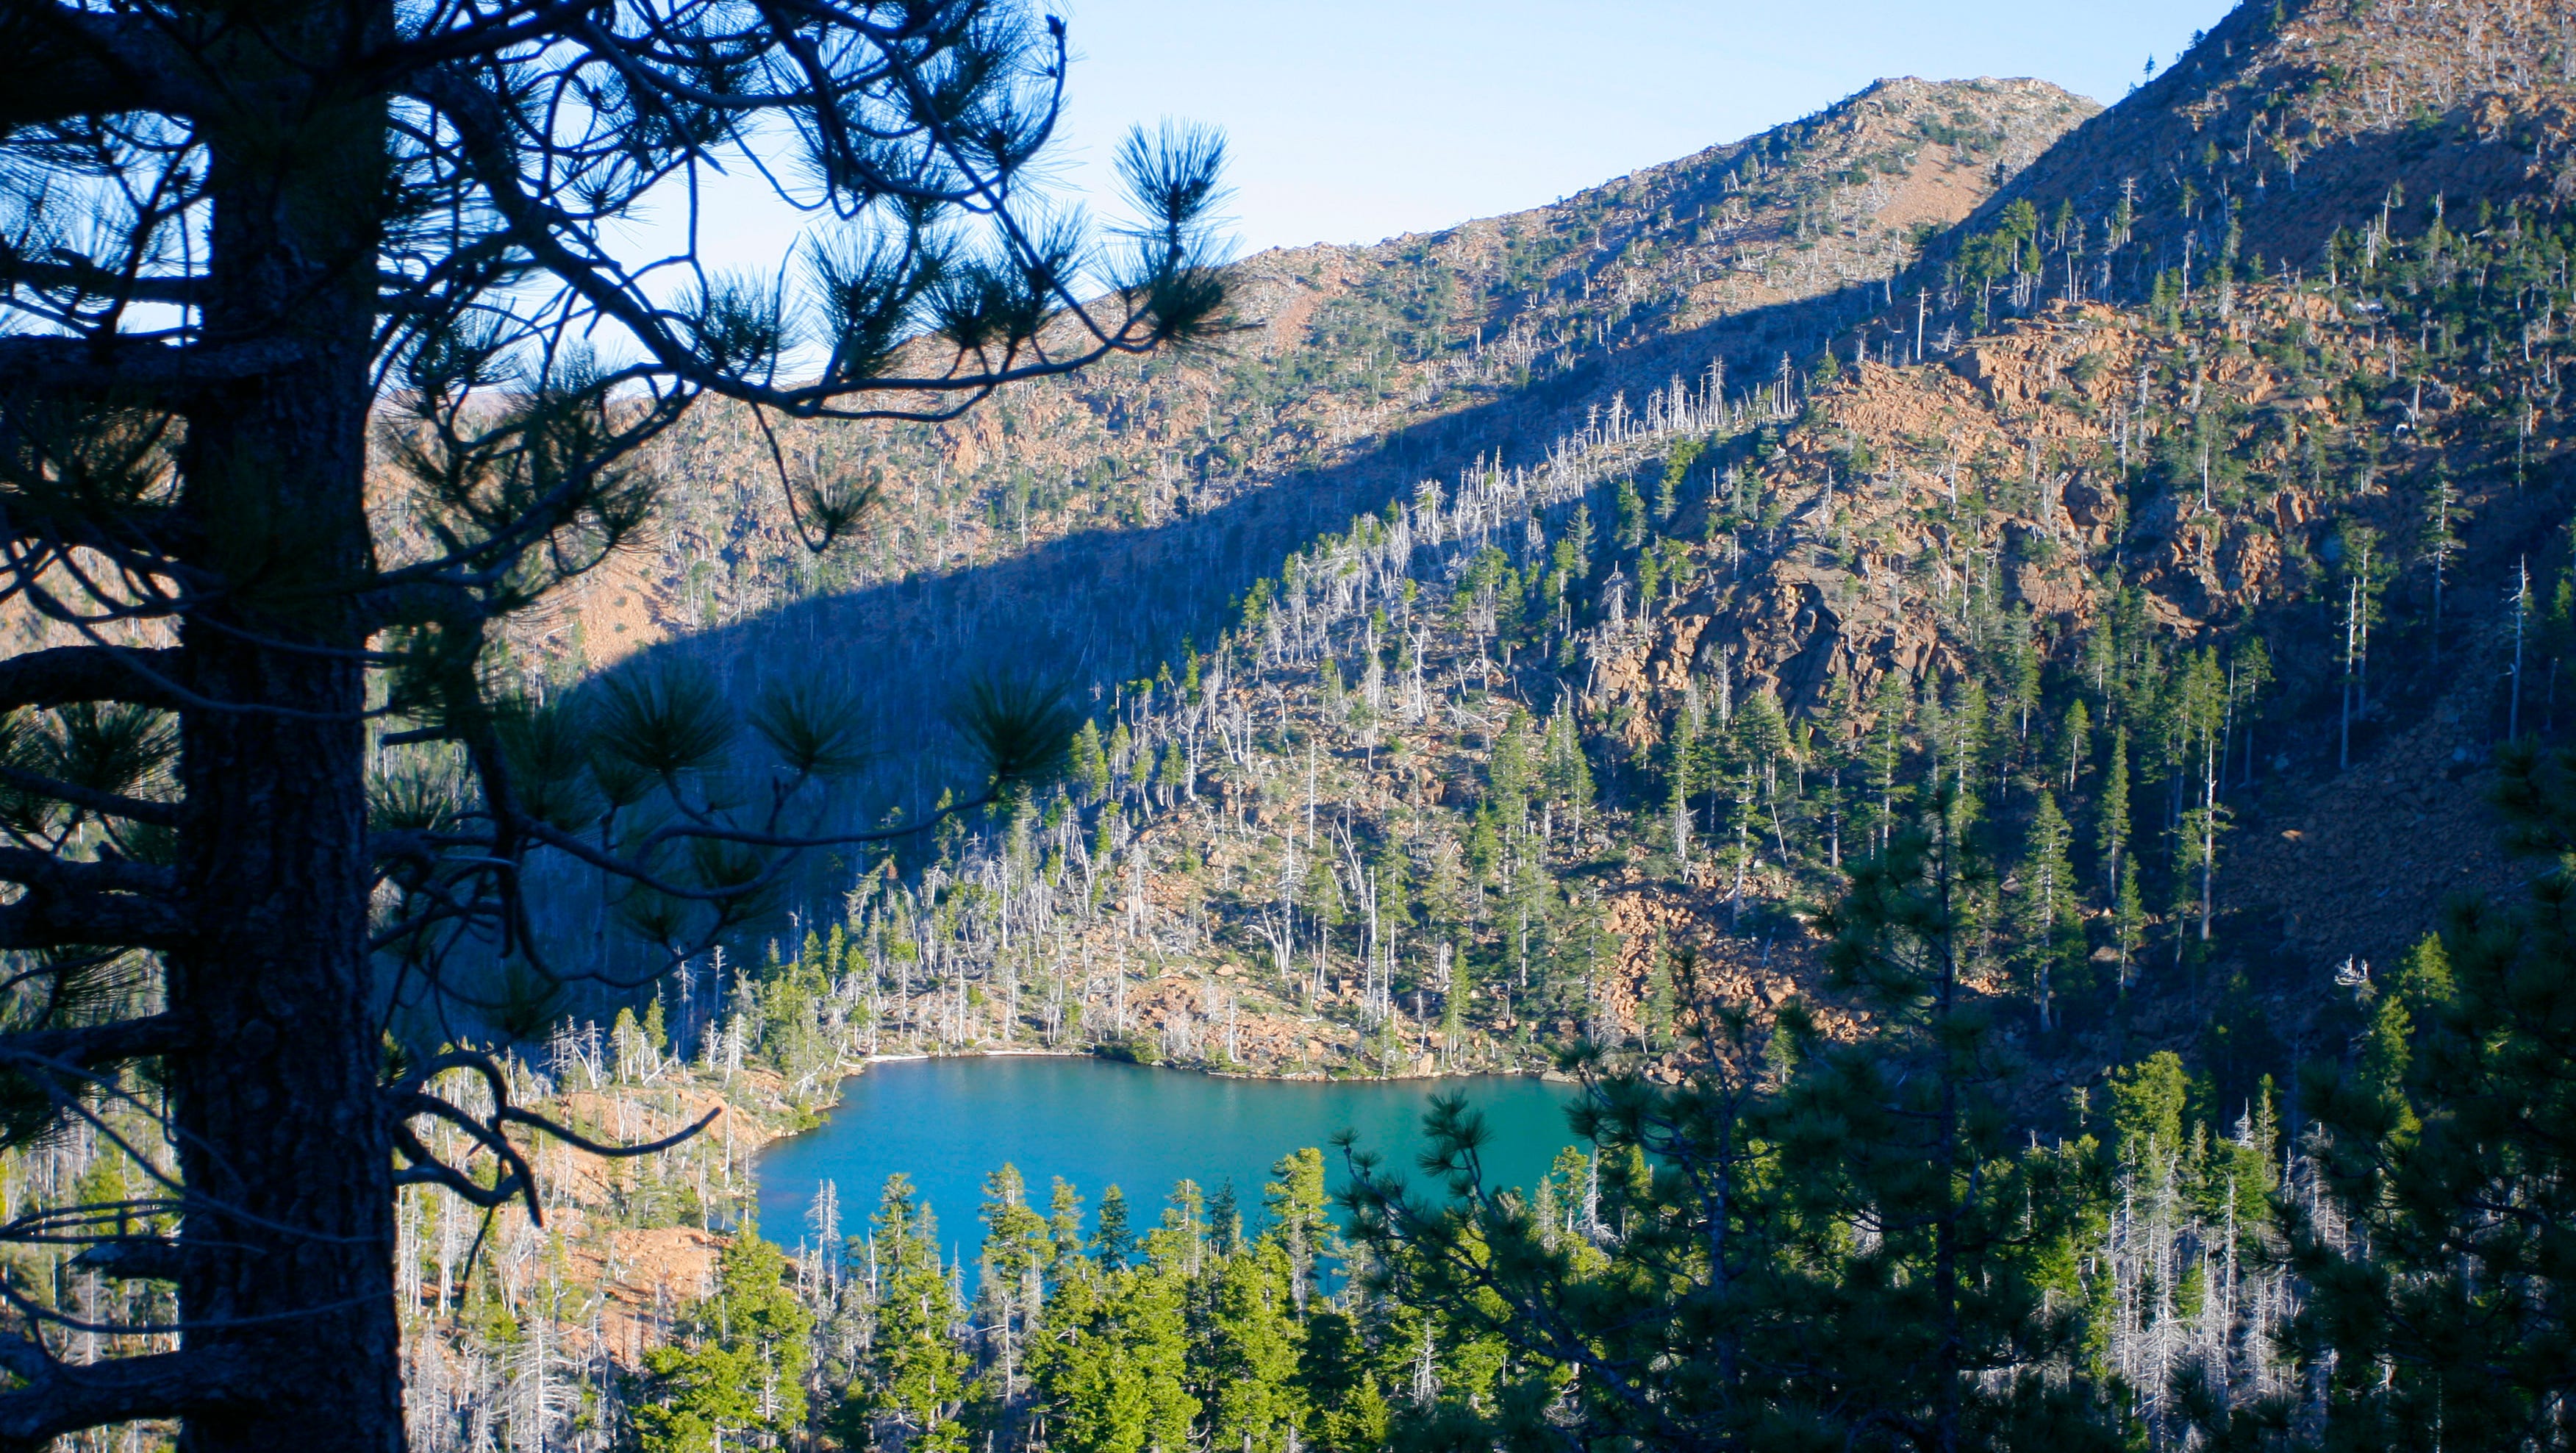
x,y
2291,121
1495,652
1352,361
1494,637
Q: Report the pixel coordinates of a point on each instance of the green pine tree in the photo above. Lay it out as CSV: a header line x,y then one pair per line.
x,y
1296,1205
1016,1237
915,1377
1630,509
736,1370
1064,1225
1116,1242
1244,1351
2046,914
2442,1299
2128,923
1945,1321
2111,815
1108,1369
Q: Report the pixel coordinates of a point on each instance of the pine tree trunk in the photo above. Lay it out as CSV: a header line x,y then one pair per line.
x,y
280,1139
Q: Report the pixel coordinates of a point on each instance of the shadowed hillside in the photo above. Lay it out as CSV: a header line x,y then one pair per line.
x,y
1634,542
1508,327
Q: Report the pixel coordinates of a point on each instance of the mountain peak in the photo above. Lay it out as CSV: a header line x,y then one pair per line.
x,y
2294,120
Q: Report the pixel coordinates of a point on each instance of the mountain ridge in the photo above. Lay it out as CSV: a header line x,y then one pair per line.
x,y
1489,709
2183,456
2331,110
1546,306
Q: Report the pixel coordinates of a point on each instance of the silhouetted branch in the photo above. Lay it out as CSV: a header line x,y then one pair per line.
x,y
92,1045
411,1098
63,63
61,1398
93,368
80,918
63,675
90,799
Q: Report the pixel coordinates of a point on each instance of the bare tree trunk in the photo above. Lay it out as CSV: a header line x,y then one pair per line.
x,y
2208,837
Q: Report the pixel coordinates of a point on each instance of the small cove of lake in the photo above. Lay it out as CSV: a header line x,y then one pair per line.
x,y
948,1123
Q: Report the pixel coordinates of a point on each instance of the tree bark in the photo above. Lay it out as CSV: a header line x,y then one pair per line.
x,y
289,1236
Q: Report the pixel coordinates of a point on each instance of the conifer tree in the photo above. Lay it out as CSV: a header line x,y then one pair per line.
x,y
1064,1225
1630,514
1017,1248
1454,997
2022,664
2047,911
1699,1283
1090,763
326,354
1942,1321
1667,1335
1511,772
1116,1242
1568,771
915,1376
1243,1353
1886,756
1656,1014
1109,1367
2128,922
1297,1205
1969,740
2111,816
737,1368
2438,1310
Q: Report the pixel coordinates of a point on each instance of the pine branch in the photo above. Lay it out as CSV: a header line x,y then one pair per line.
x,y
47,873
90,799
476,35
59,1398
63,675
92,1045
74,273
412,1097
59,63
98,367
512,1115
134,1258
488,152
82,905
417,602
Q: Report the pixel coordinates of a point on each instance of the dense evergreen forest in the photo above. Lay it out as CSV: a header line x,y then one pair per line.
x,y
1979,674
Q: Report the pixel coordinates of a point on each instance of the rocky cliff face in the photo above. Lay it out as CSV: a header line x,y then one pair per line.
x,y
2206,479
1877,545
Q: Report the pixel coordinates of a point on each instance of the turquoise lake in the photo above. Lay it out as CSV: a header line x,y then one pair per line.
x,y
947,1123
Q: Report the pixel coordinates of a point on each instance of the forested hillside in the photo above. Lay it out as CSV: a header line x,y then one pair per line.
x,y
2115,555
1982,672
2293,121
1358,370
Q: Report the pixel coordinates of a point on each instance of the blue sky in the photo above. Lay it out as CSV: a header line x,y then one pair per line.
x,y
1354,120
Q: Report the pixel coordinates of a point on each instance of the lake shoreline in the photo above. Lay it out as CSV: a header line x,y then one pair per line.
x,y
1313,1077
